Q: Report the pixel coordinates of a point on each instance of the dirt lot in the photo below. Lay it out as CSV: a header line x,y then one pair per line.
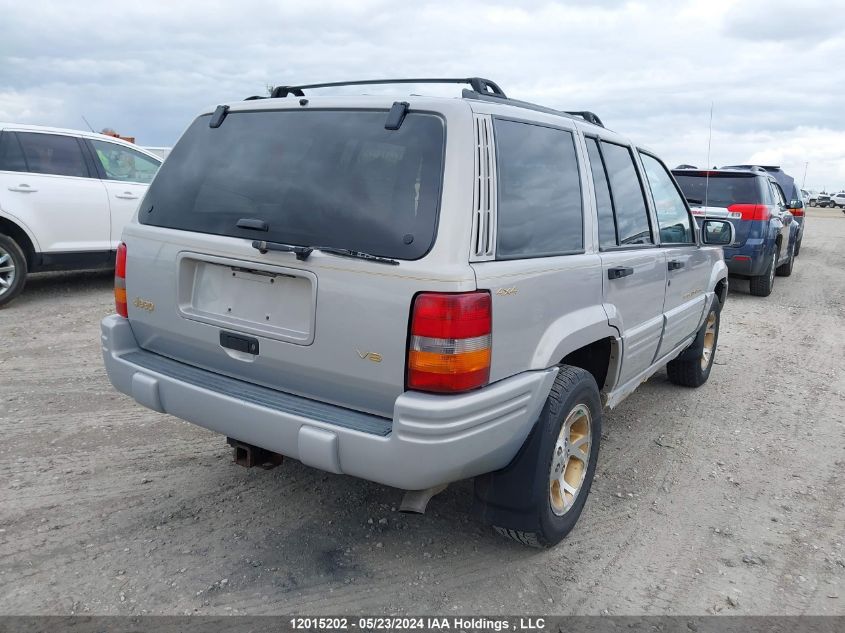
x,y
729,498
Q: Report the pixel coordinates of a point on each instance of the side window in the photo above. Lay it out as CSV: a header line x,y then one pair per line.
x,y
124,164
768,196
778,194
604,203
539,191
53,154
11,154
629,202
672,217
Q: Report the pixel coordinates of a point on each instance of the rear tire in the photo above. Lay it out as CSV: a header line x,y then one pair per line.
x,y
785,269
692,367
13,269
537,499
761,285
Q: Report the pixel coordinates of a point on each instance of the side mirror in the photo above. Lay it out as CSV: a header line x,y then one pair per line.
x,y
717,232
796,204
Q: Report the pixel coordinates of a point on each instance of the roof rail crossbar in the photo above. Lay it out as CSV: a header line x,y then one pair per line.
x,y
482,86
587,116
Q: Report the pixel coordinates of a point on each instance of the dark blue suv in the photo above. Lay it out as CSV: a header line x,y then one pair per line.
x,y
753,201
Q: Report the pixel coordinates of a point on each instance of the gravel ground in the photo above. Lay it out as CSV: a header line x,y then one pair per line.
x,y
725,499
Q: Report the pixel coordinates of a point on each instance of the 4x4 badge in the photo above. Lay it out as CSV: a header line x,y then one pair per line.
x,y
504,292
143,304
373,356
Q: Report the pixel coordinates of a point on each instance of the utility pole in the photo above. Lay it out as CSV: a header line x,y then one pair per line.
x,y
804,180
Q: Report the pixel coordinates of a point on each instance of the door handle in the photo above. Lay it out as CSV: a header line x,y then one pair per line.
x,y
23,188
674,264
618,272
126,195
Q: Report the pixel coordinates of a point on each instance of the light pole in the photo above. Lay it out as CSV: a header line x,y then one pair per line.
x,y
804,180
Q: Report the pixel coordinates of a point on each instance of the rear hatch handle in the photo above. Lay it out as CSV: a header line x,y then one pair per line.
x,y
253,224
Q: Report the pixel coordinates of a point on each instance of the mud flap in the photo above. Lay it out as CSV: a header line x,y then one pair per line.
x,y
510,487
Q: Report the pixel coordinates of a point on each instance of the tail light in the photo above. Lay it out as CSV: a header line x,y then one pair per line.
x,y
120,282
797,212
750,211
449,348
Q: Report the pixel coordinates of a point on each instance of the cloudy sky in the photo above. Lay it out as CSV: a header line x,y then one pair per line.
x,y
774,70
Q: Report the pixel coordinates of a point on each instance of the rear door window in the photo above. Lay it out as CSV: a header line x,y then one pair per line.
x,y
539,191
632,222
604,202
317,178
53,154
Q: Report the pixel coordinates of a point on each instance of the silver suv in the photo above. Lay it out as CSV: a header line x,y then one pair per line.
x,y
414,292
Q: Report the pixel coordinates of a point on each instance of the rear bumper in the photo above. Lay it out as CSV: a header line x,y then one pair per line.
x,y
431,439
749,259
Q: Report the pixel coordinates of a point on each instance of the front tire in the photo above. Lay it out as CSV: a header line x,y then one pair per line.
x,y
13,269
692,367
537,499
761,285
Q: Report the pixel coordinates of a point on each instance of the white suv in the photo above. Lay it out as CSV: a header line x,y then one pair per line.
x,y
65,196
838,200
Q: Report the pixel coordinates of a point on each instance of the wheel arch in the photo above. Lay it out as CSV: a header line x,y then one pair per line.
x,y
598,358
584,339
22,236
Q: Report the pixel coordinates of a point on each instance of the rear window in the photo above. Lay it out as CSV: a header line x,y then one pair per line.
x,y
317,178
720,189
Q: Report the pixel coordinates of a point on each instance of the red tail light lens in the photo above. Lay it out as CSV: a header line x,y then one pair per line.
x,y
750,211
450,344
120,282
797,212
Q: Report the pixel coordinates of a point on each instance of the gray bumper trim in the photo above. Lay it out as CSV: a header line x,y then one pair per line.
x,y
432,439
261,396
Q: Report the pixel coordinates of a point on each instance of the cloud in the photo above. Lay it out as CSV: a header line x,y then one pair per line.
x,y
649,69
803,23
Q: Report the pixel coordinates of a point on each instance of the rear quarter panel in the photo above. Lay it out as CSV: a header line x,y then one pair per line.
x,y
542,309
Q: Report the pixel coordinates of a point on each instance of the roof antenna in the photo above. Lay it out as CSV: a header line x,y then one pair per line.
x,y
707,173
88,124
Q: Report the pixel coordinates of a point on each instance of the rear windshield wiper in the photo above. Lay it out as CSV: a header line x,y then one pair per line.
x,y
304,252
346,252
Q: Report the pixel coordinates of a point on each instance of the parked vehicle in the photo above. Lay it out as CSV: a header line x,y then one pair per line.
x,y
823,200
838,200
752,200
792,194
161,152
65,196
414,292
805,198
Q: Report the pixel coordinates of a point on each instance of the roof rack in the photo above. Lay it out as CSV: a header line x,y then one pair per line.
x,y
482,89
479,85
588,116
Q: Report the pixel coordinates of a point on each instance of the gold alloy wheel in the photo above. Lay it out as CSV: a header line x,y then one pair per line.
x,y
570,459
709,340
